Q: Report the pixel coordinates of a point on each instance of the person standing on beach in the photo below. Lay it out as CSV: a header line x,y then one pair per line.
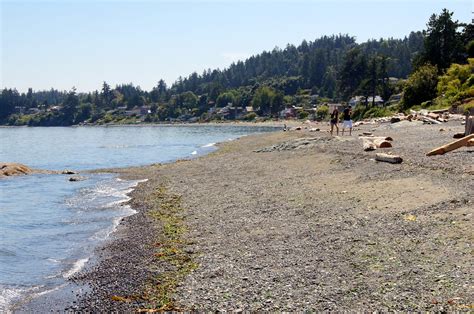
x,y
347,123
334,119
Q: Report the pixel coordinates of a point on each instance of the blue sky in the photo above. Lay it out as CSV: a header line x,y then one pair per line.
x,y
67,43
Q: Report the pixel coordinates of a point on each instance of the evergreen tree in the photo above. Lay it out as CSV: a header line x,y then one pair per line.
x,y
443,44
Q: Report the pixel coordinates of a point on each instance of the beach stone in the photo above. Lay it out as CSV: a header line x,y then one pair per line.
x,y
395,120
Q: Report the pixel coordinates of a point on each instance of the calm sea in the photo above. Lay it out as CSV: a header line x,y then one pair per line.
x,y
50,226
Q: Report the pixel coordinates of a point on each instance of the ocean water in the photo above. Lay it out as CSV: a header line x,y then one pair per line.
x,y
49,226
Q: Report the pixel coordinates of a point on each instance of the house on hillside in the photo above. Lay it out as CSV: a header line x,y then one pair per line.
x,y
230,112
138,111
339,107
288,113
357,100
394,99
55,108
20,109
33,111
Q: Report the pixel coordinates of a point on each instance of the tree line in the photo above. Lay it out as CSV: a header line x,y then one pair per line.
x,y
330,68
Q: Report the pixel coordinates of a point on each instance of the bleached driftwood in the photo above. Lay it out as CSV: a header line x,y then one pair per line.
x,y
451,146
371,138
433,121
393,159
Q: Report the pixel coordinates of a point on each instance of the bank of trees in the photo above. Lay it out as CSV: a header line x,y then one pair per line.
x,y
329,68
447,44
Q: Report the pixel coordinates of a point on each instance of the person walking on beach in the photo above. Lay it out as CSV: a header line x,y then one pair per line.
x,y
347,123
334,119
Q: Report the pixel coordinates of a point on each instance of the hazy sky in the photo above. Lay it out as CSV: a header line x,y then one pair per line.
x,y
62,44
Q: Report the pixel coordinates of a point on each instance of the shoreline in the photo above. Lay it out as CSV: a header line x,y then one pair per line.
x,y
71,291
237,254
269,123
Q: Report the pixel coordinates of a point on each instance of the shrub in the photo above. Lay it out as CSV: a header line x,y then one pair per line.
x,y
420,86
469,107
322,112
250,116
302,114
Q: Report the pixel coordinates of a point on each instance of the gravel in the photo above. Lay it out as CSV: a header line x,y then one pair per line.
x,y
294,220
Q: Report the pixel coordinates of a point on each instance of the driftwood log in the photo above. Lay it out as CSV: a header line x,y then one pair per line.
x,y
381,143
432,121
451,146
393,159
374,142
470,143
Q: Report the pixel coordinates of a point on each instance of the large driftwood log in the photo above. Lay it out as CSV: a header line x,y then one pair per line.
x,y
393,159
381,143
470,143
451,146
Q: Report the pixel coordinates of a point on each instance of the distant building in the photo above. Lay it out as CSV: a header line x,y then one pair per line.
x,y
339,107
288,113
138,111
55,108
394,99
33,111
357,100
20,109
144,110
230,112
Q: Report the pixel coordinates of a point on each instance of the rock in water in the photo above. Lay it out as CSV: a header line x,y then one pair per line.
x,y
76,178
13,169
67,171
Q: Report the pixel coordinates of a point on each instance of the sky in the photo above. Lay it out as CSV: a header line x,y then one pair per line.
x,y
65,44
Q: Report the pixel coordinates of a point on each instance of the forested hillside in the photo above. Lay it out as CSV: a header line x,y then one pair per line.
x,y
328,69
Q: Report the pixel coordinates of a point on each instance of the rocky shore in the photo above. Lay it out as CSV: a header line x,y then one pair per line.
x,y
296,220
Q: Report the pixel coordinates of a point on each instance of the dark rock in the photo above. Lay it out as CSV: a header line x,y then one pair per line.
x,y
76,178
67,171
395,120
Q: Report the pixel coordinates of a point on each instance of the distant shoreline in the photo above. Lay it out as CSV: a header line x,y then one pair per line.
x,y
272,123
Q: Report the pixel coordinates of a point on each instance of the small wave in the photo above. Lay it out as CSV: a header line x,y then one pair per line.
x,y
105,233
76,267
50,290
134,183
194,153
116,146
115,203
9,295
52,260
209,145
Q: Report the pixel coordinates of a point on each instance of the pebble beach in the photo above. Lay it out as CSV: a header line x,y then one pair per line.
x,y
292,221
